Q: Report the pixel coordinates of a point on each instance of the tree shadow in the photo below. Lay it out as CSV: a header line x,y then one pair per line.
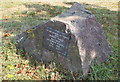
x,y
31,18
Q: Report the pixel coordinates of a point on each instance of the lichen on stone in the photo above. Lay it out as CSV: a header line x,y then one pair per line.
x,y
31,35
28,31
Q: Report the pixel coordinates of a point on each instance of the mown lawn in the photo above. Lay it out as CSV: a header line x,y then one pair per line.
x,y
17,16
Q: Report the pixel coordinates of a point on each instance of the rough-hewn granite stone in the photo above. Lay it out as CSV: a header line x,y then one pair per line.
x,y
87,44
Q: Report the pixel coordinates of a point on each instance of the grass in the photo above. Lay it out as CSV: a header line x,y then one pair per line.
x,y
17,67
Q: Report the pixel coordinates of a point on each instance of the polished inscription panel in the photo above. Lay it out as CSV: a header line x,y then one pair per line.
x,y
56,40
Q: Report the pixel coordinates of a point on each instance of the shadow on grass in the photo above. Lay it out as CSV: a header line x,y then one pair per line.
x,y
39,13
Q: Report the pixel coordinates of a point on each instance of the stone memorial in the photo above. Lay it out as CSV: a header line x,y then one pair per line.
x,y
73,39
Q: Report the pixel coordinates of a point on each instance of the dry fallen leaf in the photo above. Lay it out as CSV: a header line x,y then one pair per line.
x,y
22,15
106,63
4,17
7,34
52,8
19,72
35,67
36,77
18,65
0,57
2,53
30,73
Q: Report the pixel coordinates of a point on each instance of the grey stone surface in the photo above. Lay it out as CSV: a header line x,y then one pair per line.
x,y
87,44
